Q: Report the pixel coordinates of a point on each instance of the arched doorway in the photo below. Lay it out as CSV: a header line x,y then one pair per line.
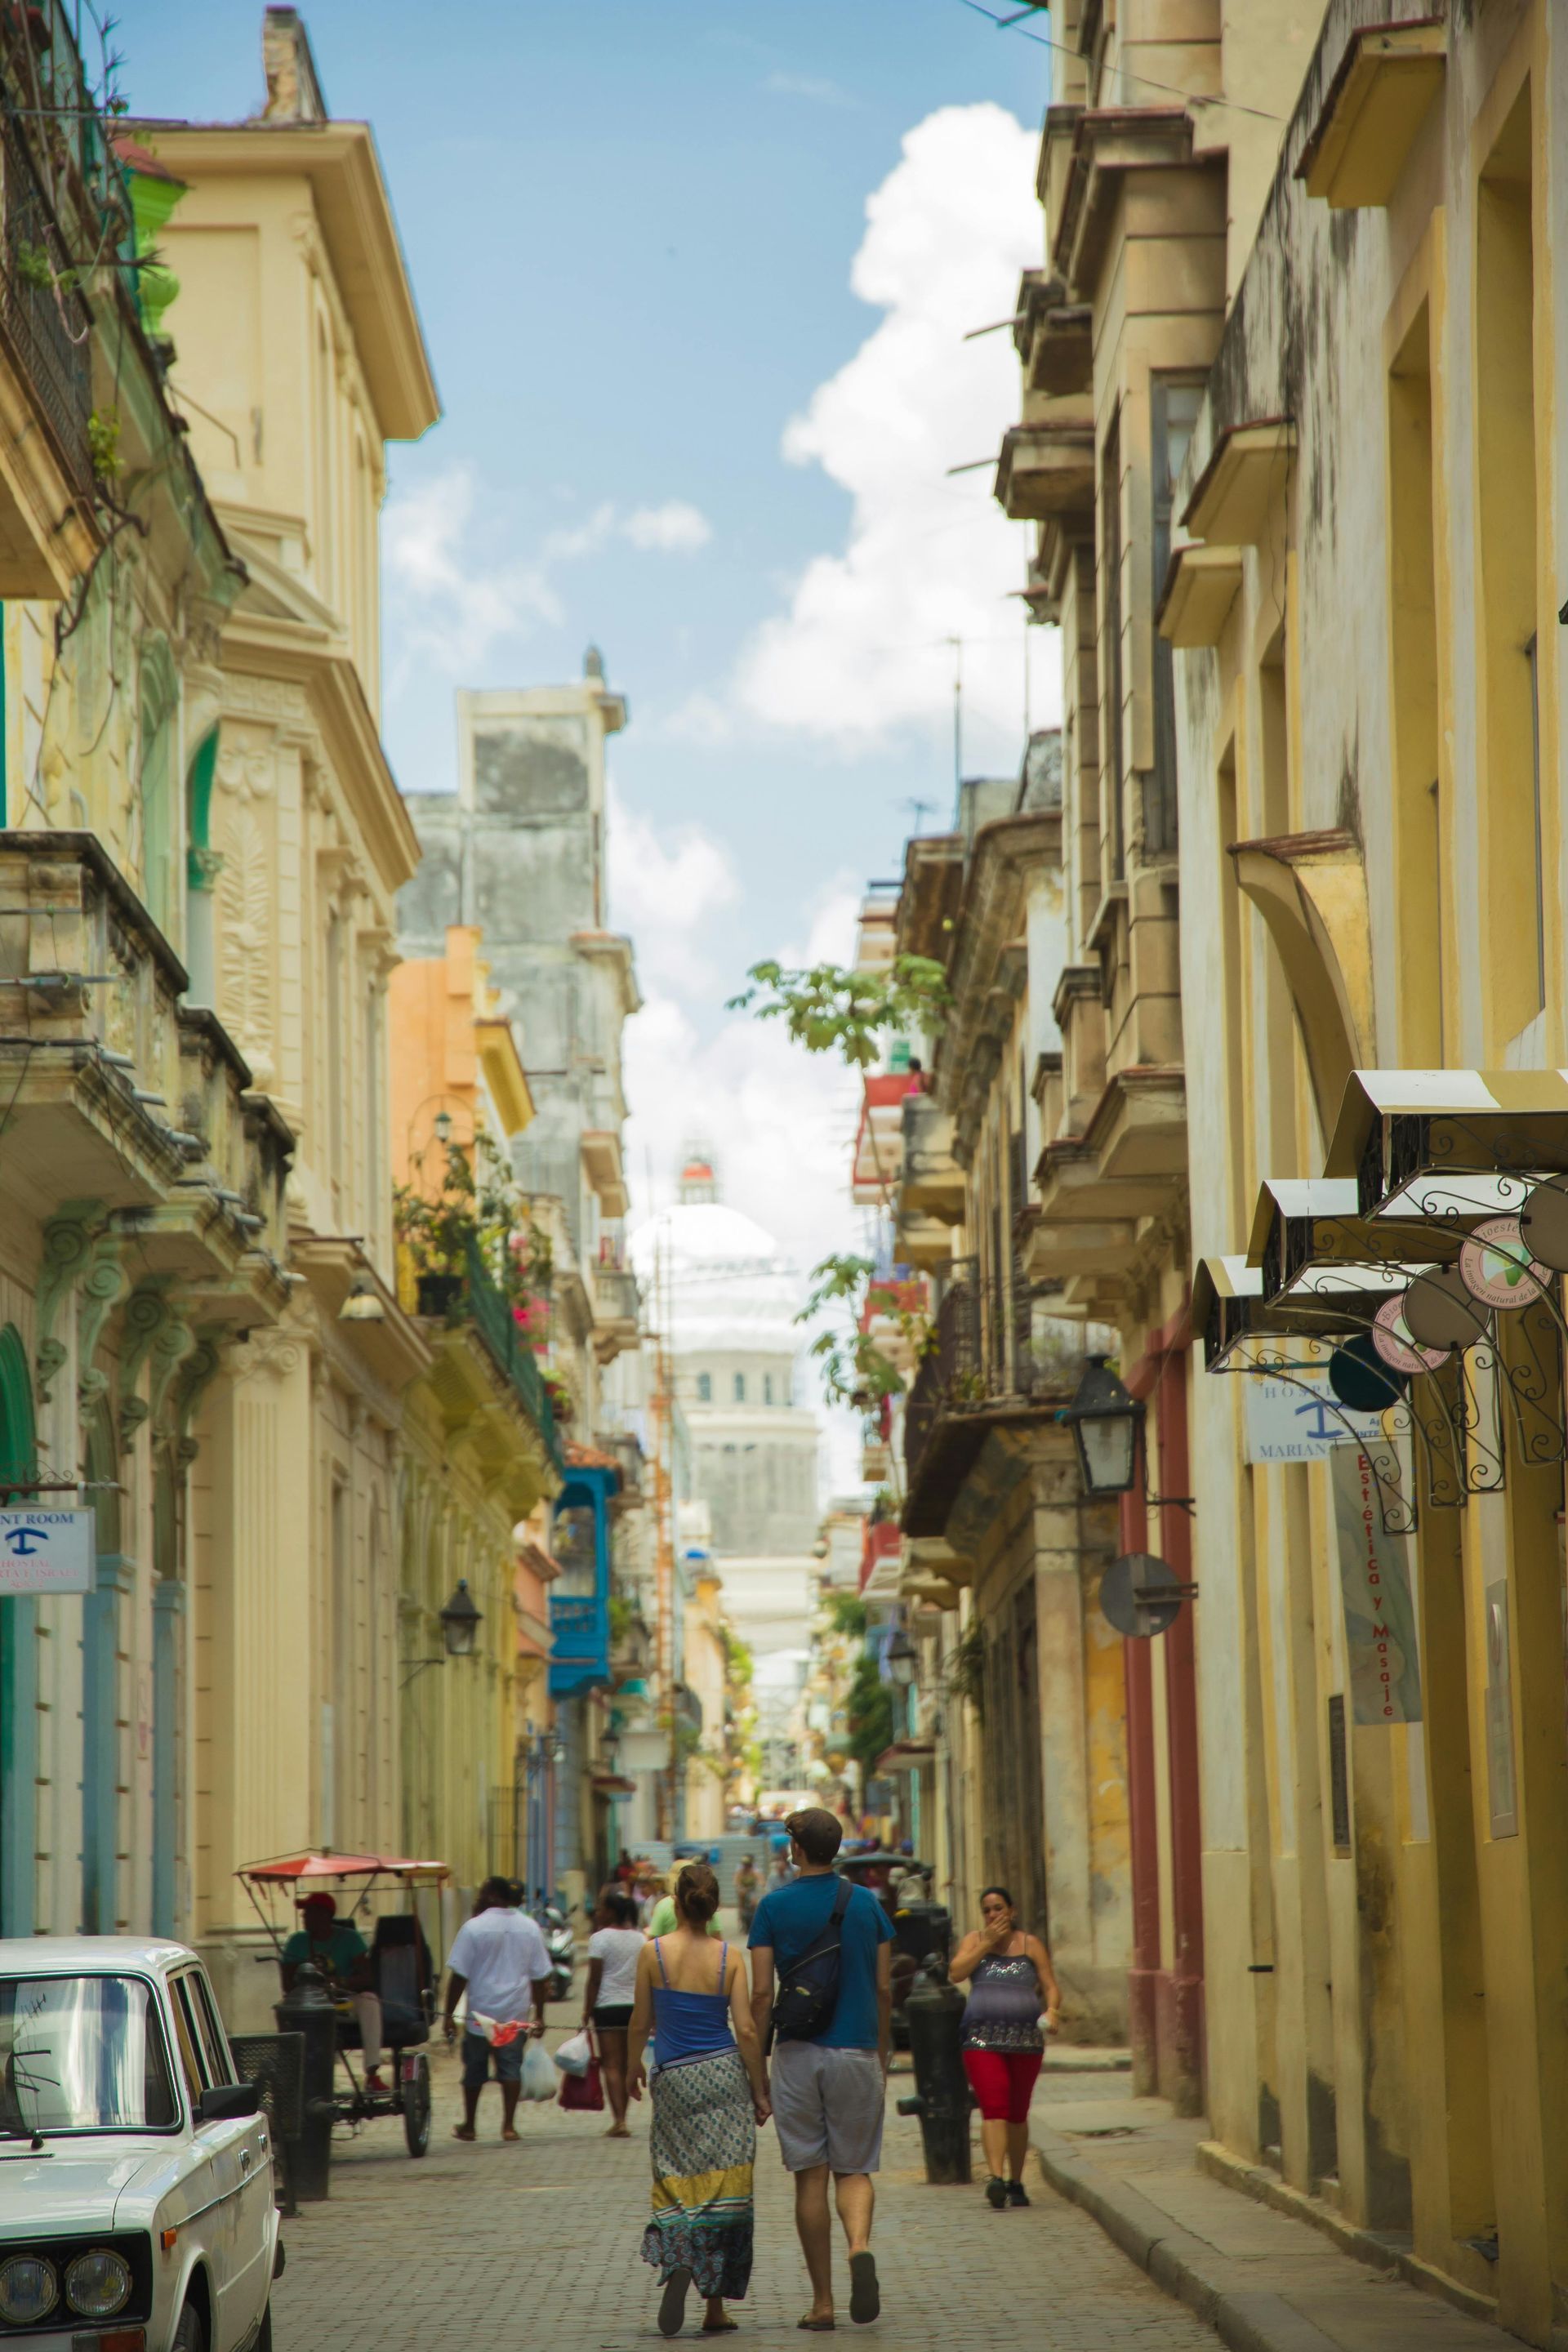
x,y
18,1663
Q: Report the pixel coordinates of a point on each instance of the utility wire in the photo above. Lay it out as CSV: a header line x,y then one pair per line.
x,y
1171,90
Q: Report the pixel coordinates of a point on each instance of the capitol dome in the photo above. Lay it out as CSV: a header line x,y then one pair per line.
x,y
718,1279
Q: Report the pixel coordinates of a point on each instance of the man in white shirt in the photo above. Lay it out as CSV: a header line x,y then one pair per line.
x,y
498,1959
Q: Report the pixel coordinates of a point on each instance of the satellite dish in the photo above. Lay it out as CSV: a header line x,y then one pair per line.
x,y
1141,1595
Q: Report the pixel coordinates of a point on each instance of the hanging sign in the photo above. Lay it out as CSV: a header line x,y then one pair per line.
x,y
1382,1658
1296,1420
48,1551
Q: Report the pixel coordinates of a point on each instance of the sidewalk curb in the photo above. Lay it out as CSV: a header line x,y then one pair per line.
x,y
1183,2265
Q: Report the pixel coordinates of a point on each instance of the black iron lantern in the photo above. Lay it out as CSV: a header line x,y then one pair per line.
x,y
460,1622
1105,1422
903,1658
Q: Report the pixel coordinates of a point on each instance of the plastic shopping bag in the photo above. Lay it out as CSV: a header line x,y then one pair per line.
x,y
575,2054
584,2090
540,2079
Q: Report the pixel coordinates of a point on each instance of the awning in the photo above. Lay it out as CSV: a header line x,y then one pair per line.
x,y
1449,1145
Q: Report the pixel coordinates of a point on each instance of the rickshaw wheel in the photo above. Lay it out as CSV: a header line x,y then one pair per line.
x,y
416,2108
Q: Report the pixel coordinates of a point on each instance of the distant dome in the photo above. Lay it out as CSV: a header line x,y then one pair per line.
x,y
727,1282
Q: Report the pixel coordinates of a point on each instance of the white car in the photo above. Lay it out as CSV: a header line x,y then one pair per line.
x,y
136,2204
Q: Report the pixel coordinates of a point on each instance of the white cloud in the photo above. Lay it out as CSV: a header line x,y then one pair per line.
x,y
666,885
448,606
863,647
816,87
677,528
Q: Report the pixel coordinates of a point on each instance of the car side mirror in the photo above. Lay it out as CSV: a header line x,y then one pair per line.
x,y
227,2103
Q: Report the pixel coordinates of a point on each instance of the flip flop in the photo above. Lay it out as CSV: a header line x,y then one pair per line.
x,y
672,2302
865,2294
818,2327
461,2131
720,2326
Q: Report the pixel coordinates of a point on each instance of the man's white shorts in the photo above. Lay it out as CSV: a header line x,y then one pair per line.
x,y
828,2107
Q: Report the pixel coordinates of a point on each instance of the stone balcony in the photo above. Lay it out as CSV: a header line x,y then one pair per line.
x,y
617,1303
90,1039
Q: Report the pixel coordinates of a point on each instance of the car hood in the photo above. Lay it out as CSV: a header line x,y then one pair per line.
x,y
51,2194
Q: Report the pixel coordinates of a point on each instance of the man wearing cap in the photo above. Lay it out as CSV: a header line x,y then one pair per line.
x,y
336,1947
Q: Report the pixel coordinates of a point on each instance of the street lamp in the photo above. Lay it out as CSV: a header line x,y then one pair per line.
x,y
1104,1420
441,1126
460,1622
364,1303
903,1658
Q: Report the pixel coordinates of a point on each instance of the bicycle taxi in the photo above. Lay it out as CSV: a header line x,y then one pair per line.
x,y
391,1970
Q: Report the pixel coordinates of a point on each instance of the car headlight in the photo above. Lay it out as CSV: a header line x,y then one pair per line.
x,y
98,2283
28,2289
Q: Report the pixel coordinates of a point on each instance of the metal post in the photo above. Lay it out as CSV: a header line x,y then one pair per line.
x,y
934,2010
308,2011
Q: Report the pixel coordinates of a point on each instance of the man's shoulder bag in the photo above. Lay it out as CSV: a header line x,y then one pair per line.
x,y
807,1993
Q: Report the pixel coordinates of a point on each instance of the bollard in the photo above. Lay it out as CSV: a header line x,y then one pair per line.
x,y
934,2010
308,2011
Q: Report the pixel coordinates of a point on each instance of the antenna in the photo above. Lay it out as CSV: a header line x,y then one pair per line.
x,y
917,810
957,645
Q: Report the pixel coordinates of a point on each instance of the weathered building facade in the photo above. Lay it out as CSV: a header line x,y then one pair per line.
x,y
1157,152
1364,608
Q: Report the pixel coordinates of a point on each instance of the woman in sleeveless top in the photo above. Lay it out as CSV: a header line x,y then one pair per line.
x,y
1010,1979
709,2094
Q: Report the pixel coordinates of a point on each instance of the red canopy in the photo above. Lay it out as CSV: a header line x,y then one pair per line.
x,y
289,1868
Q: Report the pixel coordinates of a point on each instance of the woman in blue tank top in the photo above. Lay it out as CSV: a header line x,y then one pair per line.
x,y
709,2096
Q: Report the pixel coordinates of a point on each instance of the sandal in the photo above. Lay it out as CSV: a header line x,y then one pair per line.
x,y
818,2327
720,2326
865,2294
672,2302
462,2131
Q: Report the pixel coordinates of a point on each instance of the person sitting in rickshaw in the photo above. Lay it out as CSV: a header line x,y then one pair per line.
x,y
337,1948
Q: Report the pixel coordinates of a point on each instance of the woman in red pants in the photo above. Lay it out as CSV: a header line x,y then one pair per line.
x,y
1010,1979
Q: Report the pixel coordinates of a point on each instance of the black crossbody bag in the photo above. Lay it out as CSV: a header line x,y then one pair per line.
x,y
808,1993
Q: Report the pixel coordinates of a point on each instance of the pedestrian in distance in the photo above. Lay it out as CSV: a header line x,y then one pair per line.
x,y
498,1959
664,1918
748,1891
614,1948
1010,1979
822,1984
709,2093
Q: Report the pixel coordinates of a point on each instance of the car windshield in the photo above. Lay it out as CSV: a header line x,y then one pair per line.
x,y
82,2054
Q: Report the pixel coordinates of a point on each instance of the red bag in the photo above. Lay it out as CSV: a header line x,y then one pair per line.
x,y
584,2090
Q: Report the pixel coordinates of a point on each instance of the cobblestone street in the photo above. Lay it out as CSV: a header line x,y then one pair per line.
x,y
536,2245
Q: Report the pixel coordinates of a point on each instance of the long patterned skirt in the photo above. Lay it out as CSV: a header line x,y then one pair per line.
x,y
704,2144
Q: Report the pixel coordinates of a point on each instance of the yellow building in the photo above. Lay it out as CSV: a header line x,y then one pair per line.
x,y
480,1450
1157,156
298,346
1364,611
142,1213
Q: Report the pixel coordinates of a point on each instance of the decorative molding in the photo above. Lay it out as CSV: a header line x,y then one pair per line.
x,y
147,1311
199,1370
277,1350
68,1248
104,1284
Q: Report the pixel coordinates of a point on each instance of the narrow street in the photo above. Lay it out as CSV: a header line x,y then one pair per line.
x,y
487,2247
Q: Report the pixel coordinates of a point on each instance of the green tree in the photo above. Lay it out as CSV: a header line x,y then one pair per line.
x,y
832,1008
870,1711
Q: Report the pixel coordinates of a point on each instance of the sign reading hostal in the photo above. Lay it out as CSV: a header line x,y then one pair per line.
x,y
48,1551
1298,1420
1382,1659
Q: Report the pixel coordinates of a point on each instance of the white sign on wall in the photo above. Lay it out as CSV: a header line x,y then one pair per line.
x,y
48,1551
1287,1423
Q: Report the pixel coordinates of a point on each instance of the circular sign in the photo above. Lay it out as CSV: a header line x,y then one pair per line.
x,y
1133,1595
1440,1313
1361,1379
1391,1338
1497,1268
1544,1226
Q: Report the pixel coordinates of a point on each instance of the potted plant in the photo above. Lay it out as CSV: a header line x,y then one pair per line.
x,y
470,1202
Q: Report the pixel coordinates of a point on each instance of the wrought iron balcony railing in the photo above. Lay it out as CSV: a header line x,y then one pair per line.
x,y
492,1319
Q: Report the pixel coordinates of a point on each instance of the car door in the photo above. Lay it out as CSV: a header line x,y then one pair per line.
x,y
218,2218
253,2229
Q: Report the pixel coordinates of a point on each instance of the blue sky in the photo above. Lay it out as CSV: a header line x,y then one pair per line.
x,y
631,226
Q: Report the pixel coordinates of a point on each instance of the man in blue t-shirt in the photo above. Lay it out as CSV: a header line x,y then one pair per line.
x,y
829,2095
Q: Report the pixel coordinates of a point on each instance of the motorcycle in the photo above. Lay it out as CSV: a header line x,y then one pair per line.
x,y
561,1945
